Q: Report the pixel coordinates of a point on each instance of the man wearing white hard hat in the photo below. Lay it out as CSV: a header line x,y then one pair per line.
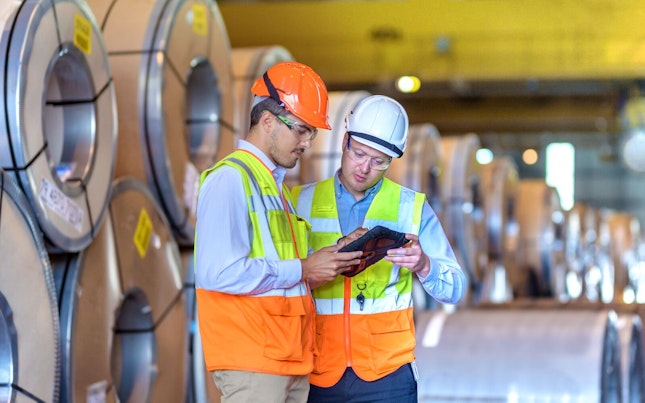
x,y
364,323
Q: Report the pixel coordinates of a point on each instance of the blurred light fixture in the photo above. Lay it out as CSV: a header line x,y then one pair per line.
x,y
408,84
632,138
633,149
529,156
484,156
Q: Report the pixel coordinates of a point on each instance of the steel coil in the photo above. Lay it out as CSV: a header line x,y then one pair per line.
x,y
517,355
420,165
624,235
499,183
629,319
122,307
29,327
541,269
59,113
172,73
580,236
464,219
202,387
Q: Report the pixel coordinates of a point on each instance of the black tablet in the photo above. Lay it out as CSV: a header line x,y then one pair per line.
x,y
374,243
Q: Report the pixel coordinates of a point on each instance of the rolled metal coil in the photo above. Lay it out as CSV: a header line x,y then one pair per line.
x,y
59,113
171,62
464,218
518,355
201,387
599,279
580,236
624,235
29,327
499,183
630,333
541,268
122,307
420,166
323,159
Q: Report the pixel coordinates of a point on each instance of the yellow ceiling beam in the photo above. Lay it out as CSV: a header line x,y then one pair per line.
x,y
363,41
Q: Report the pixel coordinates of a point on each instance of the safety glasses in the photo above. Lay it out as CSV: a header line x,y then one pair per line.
x,y
359,157
305,132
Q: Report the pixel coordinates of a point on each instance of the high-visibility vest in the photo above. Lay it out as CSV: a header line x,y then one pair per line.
x,y
374,337
270,332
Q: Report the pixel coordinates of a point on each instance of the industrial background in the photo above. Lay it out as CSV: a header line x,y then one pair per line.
x,y
527,136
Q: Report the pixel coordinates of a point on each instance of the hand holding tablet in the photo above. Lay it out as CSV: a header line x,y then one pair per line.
x,y
374,244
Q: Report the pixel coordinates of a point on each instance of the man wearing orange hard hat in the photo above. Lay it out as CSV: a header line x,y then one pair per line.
x,y
254,306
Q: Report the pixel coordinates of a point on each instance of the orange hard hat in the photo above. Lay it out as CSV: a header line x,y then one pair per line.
x,y
298,89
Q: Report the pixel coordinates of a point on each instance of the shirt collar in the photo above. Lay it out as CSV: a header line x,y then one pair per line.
x,y
342,190
277,171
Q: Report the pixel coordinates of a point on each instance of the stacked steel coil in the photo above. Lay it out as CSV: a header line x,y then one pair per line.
x,y
464,218
29,326
59,115
171,65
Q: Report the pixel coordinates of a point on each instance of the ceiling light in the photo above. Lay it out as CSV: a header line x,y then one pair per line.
x,y
529,156
408,84
484,156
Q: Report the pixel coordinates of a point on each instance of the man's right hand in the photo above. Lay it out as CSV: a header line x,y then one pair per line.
x,y
325,264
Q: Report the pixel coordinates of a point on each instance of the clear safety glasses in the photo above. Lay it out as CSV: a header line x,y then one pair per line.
x,y
305,132
359,157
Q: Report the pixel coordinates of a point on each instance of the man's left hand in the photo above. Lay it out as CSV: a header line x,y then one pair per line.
x,y
410,256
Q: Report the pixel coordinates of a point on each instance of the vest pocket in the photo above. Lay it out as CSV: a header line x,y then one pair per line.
x,y
391,340
284,324
319,363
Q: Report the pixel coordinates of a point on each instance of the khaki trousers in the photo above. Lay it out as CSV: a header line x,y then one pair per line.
x,y
254,387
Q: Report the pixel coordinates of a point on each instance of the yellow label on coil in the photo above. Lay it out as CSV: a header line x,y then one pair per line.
x,y
82,34
200,19
142,233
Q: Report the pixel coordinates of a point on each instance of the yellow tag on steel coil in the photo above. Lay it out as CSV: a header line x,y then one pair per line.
x,y
142,233
200,19
82,34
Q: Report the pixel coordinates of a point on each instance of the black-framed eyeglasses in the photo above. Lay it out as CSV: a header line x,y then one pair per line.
x,y
359,157
305,132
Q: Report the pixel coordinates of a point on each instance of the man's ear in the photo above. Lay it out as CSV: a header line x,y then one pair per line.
x,y
267,121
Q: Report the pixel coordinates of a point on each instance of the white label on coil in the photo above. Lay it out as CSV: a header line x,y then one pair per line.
x,y
96,392
191,187
433,330
60,204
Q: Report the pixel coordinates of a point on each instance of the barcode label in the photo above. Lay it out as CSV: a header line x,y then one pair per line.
x,y
96,392
62,205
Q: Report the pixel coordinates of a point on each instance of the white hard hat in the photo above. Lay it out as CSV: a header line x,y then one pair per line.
x,y
379,122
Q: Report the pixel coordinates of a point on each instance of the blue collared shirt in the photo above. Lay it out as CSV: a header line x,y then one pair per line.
x,y
446,281
224,236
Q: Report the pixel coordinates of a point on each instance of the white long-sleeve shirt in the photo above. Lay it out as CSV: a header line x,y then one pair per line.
x,y
224,236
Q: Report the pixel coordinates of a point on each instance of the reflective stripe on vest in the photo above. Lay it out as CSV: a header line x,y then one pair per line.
x,y
271,332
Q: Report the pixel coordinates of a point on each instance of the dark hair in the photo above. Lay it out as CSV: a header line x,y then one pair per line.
x,y
265,105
